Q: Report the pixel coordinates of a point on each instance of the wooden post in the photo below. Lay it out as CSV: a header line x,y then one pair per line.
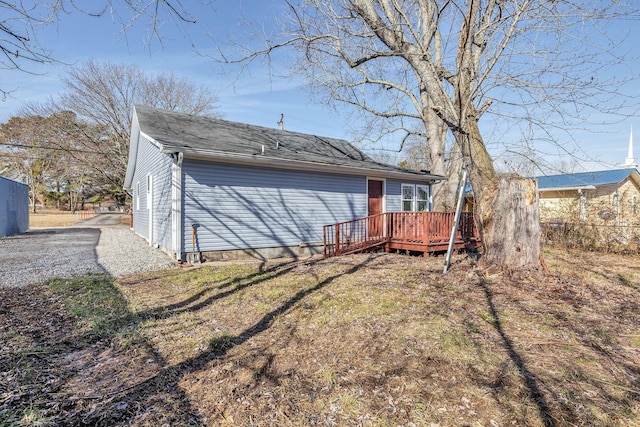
x,y
387,232
337,239
324,240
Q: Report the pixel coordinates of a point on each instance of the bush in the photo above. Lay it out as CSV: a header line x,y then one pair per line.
x,y
591,237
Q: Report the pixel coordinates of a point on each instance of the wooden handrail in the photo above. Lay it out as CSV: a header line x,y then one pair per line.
x,y
423,231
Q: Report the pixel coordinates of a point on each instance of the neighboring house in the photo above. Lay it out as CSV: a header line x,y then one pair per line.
x,y
14,207
207,185
610,197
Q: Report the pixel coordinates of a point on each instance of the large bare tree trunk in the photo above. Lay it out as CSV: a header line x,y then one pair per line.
x,y
444,192
506,205
506,208
509,216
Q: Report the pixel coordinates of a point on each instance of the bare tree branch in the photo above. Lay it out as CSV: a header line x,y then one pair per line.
x,y
20,22
454,61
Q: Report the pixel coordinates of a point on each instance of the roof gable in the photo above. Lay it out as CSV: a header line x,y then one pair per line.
x,y
584,179
217,139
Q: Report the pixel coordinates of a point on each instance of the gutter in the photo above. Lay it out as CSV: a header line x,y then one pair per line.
x,y
578,188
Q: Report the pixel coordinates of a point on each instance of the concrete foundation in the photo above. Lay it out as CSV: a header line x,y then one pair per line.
x,y
304,250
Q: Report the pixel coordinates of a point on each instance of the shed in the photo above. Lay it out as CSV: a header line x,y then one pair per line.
x,y
223,188
14,207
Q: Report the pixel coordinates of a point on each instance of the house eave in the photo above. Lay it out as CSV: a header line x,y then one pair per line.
x,y
574,188
133,152
274,162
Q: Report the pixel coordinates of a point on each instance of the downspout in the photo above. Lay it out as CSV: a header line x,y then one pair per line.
x,y
176,205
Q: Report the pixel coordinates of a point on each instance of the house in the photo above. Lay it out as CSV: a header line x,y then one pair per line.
x,y
14,207
608,197
224,189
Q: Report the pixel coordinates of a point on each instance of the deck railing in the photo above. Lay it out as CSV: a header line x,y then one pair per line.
x,y
86,214
354,236
418,231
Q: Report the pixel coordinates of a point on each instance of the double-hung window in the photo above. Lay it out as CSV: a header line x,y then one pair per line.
x,y
137,195
415,198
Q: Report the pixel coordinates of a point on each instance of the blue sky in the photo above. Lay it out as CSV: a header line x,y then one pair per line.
x,y
252,97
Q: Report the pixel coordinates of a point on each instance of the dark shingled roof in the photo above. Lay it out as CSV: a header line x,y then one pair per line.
x,y
215,138
583,179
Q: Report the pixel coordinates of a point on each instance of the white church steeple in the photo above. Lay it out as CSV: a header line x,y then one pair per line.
x,y
630,161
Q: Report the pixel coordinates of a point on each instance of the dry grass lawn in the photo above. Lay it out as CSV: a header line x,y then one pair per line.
x,y
52,219
61,219
364,340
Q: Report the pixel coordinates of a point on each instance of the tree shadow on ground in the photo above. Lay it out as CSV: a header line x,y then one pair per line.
x,y
78,377
169,376
529,378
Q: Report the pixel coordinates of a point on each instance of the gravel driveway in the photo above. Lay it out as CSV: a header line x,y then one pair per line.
x,y
97,245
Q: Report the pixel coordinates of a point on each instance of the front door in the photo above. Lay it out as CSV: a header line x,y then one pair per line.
x,y
374,206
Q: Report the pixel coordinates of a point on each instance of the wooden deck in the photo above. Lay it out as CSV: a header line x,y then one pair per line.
x,y
425,232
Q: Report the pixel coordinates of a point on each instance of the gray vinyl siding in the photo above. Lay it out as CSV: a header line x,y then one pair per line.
x,y
240,207
162,197
394,193
14,207
393,199
151,161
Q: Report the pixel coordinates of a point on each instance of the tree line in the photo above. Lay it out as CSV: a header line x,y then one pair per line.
x,y
74,148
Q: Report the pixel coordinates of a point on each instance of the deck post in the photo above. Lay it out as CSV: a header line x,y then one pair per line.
x,y
387,232
337,239
425,233
324,241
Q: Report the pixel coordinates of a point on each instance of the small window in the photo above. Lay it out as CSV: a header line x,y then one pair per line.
x,y
408,197
422,198
634,204
149,190
415,198
137,195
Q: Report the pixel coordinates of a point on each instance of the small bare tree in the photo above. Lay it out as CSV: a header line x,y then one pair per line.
x,y
105,93
445,63
25,149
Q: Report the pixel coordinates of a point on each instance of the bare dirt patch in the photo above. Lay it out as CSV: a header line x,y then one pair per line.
x,y
361,340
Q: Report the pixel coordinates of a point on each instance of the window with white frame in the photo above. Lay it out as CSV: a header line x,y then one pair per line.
x,y
408,197
422,198
149,184
137,195
415,198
